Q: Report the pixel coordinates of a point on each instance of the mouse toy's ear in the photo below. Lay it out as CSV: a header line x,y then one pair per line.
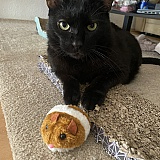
x,y
52,3
54,117
72,127
108,4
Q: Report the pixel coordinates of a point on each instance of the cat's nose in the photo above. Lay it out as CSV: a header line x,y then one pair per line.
x,y
77,45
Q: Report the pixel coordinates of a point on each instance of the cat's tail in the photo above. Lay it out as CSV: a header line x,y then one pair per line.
x,y
148,60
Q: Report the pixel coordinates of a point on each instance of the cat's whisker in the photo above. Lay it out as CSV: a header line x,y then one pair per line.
x,y
58,52
110,49
91,57
110,63
97,10
101,57
114,61
99,14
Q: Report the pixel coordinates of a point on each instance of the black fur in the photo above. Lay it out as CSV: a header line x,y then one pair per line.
x,y
103,58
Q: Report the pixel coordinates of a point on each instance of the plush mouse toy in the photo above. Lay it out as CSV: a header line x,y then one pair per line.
x,y
65,127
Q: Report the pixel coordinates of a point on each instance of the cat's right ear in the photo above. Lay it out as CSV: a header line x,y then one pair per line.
x,y
108,4
52,3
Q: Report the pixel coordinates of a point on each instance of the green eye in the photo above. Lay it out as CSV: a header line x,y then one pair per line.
x,y
92,27
64,25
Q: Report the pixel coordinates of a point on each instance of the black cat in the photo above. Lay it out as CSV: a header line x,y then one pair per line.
x,y
85,47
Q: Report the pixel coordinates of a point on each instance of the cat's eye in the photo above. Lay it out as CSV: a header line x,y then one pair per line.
x,y
64,26
92,27
62,136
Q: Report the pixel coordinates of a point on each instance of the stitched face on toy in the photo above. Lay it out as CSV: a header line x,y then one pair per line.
x,y
60,130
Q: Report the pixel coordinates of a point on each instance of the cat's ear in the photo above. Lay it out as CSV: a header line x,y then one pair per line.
x,y
52,3
108,4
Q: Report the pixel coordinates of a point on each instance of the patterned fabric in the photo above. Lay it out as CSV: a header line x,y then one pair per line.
x,y
112,148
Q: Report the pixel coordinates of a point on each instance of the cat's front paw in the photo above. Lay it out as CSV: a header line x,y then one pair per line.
x,y
91,99
71,97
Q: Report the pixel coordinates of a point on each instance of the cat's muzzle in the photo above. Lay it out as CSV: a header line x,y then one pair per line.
x,y
76,55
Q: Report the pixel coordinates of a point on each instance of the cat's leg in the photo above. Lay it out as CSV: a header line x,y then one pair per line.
x,y
71,89
95,93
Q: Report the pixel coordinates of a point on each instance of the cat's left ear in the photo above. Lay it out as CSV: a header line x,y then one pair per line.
x,y
108,4
52,3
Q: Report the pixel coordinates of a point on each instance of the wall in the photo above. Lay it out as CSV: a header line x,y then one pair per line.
x,y
23,9
29,9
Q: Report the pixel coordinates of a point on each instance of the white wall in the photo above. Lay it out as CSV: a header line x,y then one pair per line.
x,y
23,9
29,9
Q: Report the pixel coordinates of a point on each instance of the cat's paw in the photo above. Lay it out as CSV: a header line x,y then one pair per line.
x,y
71,97
91,99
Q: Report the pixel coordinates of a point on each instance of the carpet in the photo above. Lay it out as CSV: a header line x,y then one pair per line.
x,y
121,107
129,115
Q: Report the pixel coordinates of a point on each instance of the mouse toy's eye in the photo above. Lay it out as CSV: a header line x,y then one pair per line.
x,y
62,136
63,25
92,27
46,127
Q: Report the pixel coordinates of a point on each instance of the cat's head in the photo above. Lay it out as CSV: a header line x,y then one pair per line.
x,y
78,25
